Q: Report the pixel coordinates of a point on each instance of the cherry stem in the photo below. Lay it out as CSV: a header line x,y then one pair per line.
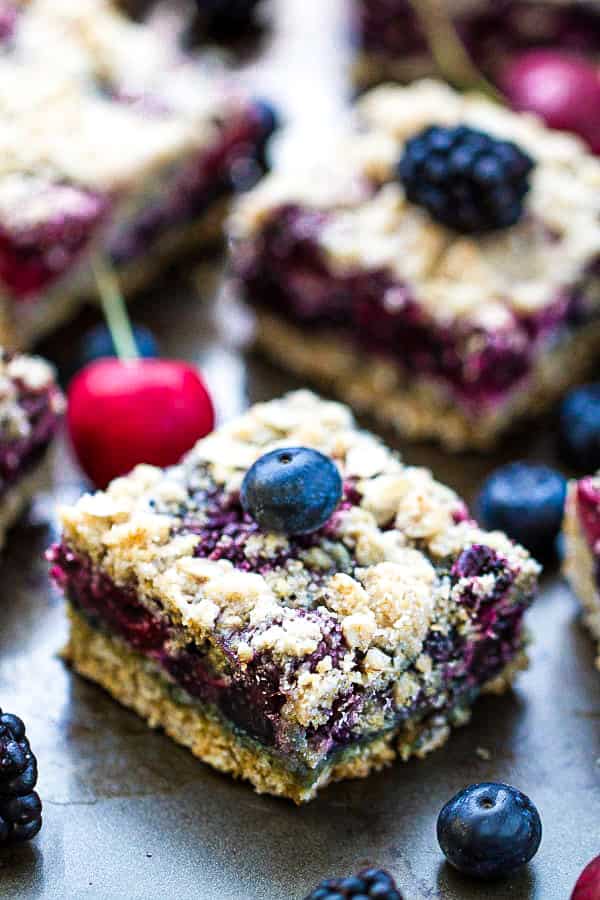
x,y
113,307
448,51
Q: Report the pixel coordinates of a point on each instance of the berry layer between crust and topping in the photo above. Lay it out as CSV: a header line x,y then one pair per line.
x,y
582,547
491,29
397,609
111,138
31,406
337,247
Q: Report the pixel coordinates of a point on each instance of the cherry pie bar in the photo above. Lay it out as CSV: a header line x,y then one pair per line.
x,y
111,142
296,661
31,407
582,548
390,42
440,270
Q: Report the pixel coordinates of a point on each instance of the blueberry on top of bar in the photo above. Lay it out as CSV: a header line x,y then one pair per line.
x,y
383,624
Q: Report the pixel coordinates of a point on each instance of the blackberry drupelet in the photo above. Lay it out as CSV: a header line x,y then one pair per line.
x,y
20,806
466,179
376,884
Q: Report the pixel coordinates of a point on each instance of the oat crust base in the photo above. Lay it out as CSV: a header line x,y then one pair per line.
x,y
422,410
110,664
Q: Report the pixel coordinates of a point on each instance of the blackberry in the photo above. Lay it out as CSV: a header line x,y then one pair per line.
x,y
20,806
376,884
466,179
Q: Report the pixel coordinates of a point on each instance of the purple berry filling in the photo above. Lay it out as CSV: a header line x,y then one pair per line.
x,y
492,31
286,272
226,529
19,455
252,698
46,234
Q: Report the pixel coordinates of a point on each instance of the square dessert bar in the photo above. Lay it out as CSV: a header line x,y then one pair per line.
x,y
582,548
390,43
292,662
111,142
31,407
439,333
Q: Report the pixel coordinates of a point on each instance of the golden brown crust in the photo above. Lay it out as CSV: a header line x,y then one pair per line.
x,y
108,663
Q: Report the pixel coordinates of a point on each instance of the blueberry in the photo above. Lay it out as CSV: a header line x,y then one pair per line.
x,y
579,428
98,343
526,501
293,490
489,830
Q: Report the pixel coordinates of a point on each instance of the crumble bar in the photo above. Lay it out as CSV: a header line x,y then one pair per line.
x,y
582,548
31,406
292,662
112,141
390,44
438,334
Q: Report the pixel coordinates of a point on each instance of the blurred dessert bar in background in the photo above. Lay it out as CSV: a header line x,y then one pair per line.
x,y
440,271
112,142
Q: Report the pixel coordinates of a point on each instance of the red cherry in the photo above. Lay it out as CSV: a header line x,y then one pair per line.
x,y
563,89
122,413
588,883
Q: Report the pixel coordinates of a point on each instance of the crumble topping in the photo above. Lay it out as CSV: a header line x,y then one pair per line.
x,y
352,606
19,374
134,102
367,222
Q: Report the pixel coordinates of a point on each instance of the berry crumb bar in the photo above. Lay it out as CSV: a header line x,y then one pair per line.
x,y
390,43
582,548
441,270
112,141
296,661
31,406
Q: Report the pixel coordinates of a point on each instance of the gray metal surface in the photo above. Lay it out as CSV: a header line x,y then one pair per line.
x,y
128,814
